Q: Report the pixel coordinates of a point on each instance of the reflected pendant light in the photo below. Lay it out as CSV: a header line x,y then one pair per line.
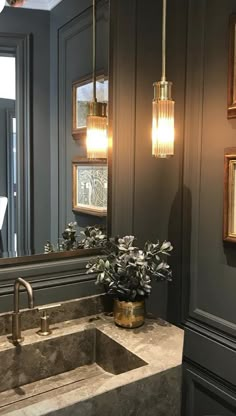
x,y
97,140
163,107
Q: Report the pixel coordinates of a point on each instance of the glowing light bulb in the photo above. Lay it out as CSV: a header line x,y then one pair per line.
x,y
162,121
97,140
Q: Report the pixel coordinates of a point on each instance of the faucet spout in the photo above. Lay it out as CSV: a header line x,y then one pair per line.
x,y
16,321
29,289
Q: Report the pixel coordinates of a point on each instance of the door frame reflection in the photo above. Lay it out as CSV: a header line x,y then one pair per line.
x,y
18,45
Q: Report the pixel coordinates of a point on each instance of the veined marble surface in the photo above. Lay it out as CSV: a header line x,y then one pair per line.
x,y
154,388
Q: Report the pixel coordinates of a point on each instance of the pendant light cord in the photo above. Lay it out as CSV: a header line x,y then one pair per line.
x,y
163,78
94,51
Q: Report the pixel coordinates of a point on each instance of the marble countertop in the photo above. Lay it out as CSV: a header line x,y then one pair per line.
x,y
157,342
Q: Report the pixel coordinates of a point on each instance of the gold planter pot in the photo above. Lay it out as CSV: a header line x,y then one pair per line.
x,y
129,314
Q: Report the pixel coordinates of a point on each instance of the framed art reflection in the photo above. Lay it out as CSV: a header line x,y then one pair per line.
x,y
82,94
90,178
230,195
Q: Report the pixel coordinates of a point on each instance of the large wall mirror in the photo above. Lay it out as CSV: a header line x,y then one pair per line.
x,y
42,55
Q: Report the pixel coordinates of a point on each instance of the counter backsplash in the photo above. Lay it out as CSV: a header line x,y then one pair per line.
x,y
58,312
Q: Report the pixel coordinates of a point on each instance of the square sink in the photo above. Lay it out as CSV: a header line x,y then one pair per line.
x,y
28,363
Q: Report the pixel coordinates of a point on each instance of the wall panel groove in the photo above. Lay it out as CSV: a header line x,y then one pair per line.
x,y
124,40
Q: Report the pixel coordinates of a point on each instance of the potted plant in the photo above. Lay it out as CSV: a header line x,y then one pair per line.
x,y
126,272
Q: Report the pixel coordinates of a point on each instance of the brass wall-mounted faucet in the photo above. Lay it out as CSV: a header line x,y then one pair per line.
x,y
16,316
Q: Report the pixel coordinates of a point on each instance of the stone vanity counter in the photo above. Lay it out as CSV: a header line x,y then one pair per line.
x,y
150,384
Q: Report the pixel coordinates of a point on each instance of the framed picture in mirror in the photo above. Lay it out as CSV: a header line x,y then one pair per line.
x,y
232,68
230,195
90,183
82,94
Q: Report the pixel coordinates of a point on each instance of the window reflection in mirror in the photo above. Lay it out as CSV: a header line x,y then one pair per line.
x,y
82,92
8,155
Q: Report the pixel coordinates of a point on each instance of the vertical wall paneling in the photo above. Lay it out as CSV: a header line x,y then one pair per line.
x,y
67,34
208,263
147,192
193,132
210,270
123,36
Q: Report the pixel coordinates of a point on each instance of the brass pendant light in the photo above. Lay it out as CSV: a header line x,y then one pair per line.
x,y
163,107
97,140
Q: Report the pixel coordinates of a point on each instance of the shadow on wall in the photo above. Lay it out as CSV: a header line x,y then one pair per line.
x,y
230,253
179,233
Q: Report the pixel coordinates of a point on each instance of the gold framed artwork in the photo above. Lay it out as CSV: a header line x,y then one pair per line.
x,y
232,68
90,179
82,94
230,195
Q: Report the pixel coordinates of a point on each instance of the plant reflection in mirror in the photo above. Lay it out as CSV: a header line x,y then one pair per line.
x,y
126,272
94,237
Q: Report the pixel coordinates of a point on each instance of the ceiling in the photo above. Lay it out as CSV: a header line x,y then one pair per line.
x,y
41,4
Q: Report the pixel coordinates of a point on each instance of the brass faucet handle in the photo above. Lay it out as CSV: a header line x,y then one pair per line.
x,y
44,327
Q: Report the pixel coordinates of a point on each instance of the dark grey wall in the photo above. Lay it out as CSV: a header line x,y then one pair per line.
x,y
212,263
180,199
209,264
36,23
212,266
147,192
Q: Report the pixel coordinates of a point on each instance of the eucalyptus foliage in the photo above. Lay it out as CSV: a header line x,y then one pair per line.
x,y
93,237
126,272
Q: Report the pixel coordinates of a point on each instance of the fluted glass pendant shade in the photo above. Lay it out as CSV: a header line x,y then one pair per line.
x,y
162,121
2,4
97,140
163,107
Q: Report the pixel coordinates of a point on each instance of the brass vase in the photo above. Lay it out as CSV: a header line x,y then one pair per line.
x,y
129,314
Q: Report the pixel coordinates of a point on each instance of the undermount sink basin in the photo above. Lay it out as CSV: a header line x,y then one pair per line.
x,y
29,363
